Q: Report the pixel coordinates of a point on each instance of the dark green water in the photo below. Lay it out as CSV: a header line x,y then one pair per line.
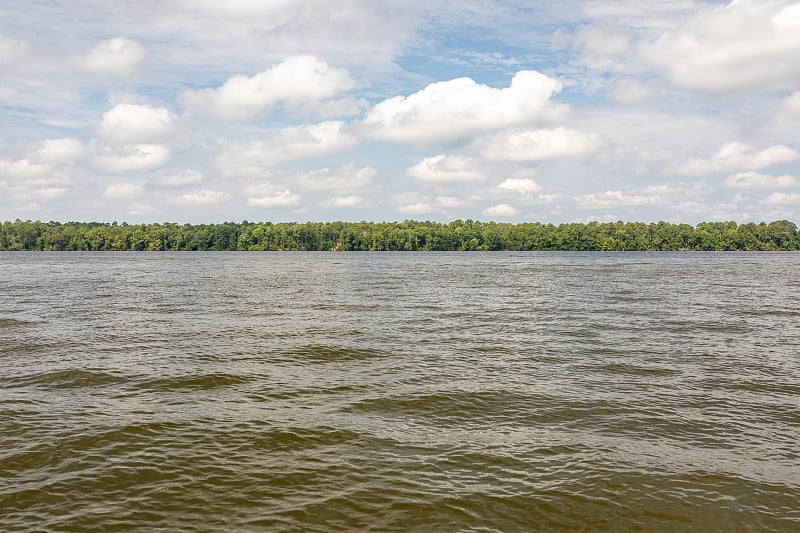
x,y
399,392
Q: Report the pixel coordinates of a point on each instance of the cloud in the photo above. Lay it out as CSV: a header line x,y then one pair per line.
x,y
140,209
56,151
344,178
538,145
6,93
413,203
267,196
12,50
451,202
748,45
754,180
130,157
243,33
50,193
416,208
238,8
46,171
791,105
179,178
334,108
39,68
22,169
118,56
457,109
629,91
786,119
133,123
446,169
602,42
349,201
123,191
297,82
254,158
200,197
668,194
544,199
500,210
781,198
615,199
34,195
735,156
520,185
390,73
618,29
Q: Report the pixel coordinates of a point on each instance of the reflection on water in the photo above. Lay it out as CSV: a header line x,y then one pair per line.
x,y
399,392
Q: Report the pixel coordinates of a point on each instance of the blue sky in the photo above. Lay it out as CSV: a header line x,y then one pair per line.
x,y
293,110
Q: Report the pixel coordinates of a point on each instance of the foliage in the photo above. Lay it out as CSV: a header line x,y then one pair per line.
x,y
406,235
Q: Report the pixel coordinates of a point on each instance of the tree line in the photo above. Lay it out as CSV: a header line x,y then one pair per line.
x,y
407,235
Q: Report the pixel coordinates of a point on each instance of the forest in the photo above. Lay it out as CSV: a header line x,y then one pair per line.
x,y
407,235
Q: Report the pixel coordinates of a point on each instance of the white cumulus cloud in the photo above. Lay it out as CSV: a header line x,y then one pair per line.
x,y
200,197
134,123
745,45
297,81
344,178
787,117
22,169
277,199
791,105
458,109
416,208
520,185
51,193
118,56
735,156
131,157
781,198
59,150
349,201
254,158
538,145
615,199
667,194
180,178
140,209
451,202
447,169
123,191
500,210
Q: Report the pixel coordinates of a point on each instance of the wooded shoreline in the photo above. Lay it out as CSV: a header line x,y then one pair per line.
x,y
407,235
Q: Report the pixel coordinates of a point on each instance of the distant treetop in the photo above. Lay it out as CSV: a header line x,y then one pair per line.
x,y
407,235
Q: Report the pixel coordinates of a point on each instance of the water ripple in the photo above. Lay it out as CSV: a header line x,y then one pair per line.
x,y
399,392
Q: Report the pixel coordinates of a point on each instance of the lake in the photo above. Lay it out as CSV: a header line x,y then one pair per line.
x,y
399,391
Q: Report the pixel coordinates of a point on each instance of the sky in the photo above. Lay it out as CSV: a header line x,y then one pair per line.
x,y
205,111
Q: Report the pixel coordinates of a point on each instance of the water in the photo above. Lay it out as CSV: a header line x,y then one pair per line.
x,y
399,392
